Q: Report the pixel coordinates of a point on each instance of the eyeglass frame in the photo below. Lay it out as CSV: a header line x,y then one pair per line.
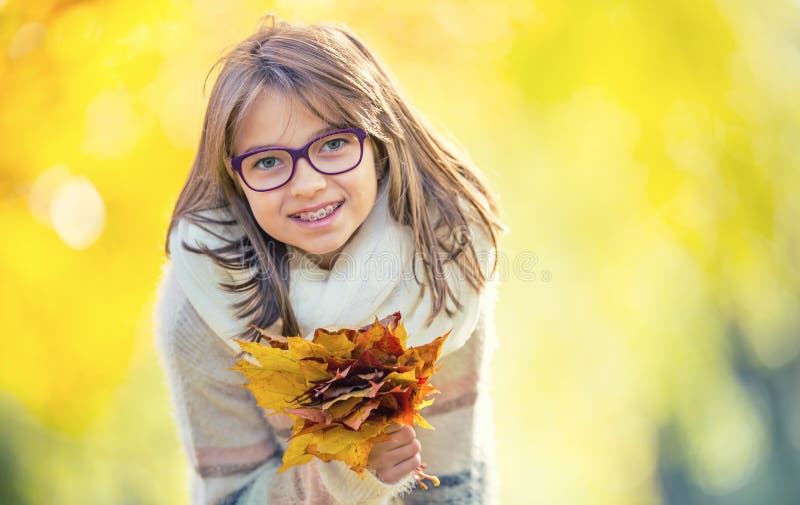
x,y
297,155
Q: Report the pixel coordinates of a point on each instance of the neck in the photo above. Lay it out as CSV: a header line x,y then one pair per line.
x,y
326,261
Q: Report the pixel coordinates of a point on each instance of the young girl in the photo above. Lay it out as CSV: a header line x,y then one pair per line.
x,y
320,198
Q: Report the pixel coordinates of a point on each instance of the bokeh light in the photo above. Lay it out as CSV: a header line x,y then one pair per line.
x,y
647,162
77,212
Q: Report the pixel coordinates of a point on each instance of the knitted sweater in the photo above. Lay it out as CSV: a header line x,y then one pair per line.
x,y
234,450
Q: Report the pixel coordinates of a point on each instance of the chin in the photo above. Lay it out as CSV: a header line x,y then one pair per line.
x,y
323,249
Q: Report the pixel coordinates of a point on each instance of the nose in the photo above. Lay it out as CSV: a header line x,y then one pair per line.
x,y
306,181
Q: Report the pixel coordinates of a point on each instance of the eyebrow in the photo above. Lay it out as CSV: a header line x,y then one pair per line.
x,y
314,135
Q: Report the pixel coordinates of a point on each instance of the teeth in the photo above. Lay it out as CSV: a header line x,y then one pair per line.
x,y
314,216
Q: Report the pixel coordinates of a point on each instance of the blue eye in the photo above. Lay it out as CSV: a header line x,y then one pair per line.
x,y
335,144
266,163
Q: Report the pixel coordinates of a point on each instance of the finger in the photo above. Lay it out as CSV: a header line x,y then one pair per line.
x,y
380,452
404,435
410,464
399,471
392,428
395,430
404,452
386,459
385,445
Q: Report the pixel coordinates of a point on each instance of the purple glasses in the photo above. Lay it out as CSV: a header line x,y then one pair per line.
x,y
271,167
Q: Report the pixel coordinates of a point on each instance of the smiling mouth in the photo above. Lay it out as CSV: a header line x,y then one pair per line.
x,y
318,214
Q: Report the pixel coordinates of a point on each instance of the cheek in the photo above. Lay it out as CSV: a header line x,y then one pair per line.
x,y
264,209
365,177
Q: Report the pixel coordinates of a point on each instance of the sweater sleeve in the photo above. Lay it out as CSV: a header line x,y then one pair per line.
x,y
232,450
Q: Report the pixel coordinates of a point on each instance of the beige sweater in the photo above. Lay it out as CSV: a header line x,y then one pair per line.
x,y
233,451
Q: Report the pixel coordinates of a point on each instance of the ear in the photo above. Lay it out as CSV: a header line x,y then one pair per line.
x,y
236,181
226,162
381,159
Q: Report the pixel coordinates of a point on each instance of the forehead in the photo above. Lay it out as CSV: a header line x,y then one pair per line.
x,y
281,118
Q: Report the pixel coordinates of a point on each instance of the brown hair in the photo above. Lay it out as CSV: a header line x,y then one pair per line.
x,y
330,69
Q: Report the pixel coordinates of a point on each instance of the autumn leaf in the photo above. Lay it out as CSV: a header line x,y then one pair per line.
x,y
343,388
424,356
360,414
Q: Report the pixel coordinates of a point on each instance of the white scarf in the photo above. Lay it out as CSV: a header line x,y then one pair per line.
x,y
371,278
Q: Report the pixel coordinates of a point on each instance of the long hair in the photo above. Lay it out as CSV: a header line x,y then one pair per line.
x,y
329,69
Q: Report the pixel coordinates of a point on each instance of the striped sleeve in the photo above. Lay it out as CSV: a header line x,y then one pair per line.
x,y
232,451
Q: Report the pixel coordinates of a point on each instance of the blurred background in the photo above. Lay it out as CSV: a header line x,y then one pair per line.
x,y
646,155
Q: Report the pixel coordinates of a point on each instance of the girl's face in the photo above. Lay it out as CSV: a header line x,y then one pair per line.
x,y
275,119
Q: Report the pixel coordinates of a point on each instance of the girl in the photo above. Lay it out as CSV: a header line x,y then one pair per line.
x,y
320,198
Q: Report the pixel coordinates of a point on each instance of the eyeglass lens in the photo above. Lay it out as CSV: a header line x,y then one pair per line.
x,y
331,154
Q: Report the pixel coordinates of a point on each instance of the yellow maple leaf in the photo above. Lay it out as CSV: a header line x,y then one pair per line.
x,y
343,388
337,344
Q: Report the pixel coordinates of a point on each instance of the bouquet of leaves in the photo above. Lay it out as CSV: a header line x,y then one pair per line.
x,y
343,388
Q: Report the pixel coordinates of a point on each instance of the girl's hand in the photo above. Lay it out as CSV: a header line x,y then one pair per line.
x,y
394,459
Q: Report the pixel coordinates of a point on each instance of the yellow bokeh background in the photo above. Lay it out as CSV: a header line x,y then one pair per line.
x,y
647,158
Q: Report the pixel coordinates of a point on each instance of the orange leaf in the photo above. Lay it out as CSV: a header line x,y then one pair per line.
x,y
343,388
423,357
